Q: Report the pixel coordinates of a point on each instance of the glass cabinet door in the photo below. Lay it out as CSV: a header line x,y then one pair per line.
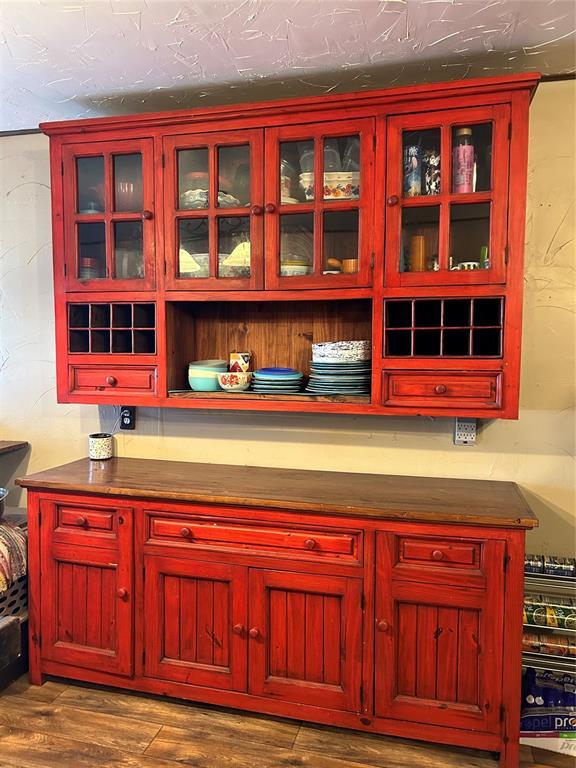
x,y
214,211
318,235
108,214
446,197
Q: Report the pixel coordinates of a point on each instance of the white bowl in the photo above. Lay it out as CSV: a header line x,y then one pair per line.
x,y
294,270
341,351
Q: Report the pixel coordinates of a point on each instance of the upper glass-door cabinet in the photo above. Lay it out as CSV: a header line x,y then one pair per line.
x,y
214,214
319,205
109,219
446,197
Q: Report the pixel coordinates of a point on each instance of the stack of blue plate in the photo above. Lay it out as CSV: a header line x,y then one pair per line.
x,y
277,381
351,377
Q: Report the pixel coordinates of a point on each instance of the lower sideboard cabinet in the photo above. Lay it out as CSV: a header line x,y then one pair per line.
x,y
408,628
438,651
86,599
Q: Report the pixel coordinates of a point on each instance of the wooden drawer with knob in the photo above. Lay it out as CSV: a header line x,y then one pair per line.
x,y
112,380
87,526
303,543
438,559
449,389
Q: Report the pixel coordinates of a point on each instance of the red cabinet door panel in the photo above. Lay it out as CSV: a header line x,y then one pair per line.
x,y
332,223
198,235
96,251
454,225
87,603
438,651
195,622
305,638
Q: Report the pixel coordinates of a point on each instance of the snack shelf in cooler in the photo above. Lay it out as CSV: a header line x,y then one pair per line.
x,y
547,662
546,581
545,628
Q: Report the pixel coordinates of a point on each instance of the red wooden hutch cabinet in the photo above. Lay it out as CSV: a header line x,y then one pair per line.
x,y
186,235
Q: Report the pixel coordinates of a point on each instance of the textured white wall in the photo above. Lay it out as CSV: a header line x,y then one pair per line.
x,y
536,451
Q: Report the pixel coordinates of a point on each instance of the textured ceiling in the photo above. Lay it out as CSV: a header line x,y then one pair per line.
x,y
62,59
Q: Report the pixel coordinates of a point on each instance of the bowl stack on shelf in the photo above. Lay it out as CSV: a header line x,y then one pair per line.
x,y
277,381
340,368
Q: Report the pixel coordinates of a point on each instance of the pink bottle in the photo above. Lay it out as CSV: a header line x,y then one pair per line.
x,y
463,161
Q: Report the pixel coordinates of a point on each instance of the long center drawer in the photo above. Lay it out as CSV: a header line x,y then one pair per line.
x,y
308,543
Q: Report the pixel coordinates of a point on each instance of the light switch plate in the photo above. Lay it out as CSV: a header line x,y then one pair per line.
x,y
464,431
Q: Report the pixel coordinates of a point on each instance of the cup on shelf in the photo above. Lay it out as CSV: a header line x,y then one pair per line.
x,y
349,266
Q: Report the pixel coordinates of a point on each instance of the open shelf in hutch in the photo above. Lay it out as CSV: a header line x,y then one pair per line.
x,y
395,216
279,333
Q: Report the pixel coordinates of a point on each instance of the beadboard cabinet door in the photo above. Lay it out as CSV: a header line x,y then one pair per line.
x,y
195,622
305,638
87,599
438,647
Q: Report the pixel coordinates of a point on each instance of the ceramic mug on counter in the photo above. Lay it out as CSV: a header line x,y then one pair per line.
x,y
100,445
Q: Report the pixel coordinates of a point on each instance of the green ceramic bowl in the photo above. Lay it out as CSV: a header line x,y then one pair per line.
x,y
203,374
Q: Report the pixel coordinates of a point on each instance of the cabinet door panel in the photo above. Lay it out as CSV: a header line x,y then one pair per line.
x,y
195,615
319,235
214,211
109,215
86,603
305,638
447,197
438,652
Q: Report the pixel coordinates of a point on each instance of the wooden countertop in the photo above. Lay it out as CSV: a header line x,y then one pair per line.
x,y
7,446
485,502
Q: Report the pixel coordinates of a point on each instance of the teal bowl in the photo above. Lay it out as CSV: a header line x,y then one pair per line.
x,y
200,383
205,378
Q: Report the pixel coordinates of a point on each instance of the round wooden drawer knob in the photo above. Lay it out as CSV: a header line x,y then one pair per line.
x,y
122,593
238,629
269,207
382,625
393,200
254,633
186,533
111,381
146,214
438,555
440,389
256,210
310,544
80,521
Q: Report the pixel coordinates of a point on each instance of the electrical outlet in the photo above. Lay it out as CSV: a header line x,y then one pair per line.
x,y
464,431
127,417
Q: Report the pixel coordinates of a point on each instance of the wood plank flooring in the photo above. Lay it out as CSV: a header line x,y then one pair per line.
x,y
79,726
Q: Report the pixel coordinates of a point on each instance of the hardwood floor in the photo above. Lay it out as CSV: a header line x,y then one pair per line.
x,y
78,726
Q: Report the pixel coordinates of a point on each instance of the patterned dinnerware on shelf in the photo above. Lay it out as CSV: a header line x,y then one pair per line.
x,y
341,351
235,381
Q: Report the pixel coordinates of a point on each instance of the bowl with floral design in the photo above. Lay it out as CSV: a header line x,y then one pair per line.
x,y
235,381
